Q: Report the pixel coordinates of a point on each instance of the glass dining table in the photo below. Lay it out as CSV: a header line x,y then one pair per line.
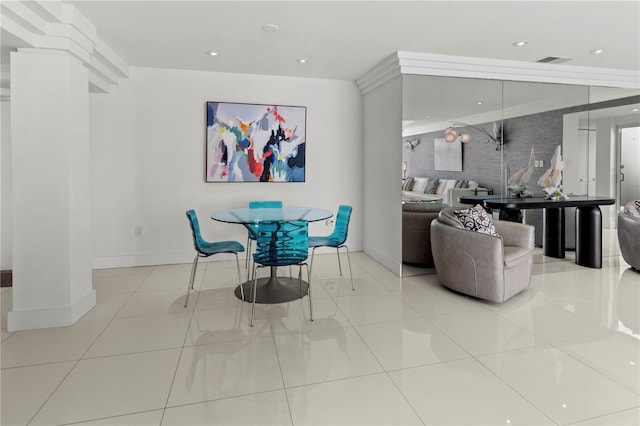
x,y
272,289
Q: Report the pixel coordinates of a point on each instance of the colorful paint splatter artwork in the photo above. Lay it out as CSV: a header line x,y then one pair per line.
x,y
255,143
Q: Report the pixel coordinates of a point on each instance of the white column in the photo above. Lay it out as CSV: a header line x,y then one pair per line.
x,y
52,277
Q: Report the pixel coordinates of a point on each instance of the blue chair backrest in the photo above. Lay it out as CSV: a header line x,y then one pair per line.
x,y
341,229
265,204
195,230
282,243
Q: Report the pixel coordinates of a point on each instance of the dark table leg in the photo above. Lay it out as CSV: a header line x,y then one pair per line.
x,y
589,236
553,232
512,215
273,289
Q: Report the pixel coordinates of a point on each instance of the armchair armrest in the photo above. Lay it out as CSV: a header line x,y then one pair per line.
x,y
515,234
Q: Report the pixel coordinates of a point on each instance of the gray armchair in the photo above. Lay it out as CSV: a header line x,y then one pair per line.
x,y
629,235
480,265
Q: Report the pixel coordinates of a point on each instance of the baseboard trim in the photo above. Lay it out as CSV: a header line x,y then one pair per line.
x,y
49,318
6,278
391,264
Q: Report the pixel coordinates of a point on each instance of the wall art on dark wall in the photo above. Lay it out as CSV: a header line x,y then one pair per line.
x,y
255,143
448,155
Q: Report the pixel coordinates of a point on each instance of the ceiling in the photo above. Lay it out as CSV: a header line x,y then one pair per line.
x,y
344,39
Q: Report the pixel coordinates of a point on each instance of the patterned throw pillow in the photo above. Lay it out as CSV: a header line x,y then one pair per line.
x,y
432,186
477,219
407,184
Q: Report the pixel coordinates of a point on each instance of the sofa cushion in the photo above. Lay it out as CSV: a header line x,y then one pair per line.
x,y
407,184
445,185
419,196
514,255
461,184
432,186
419,184
477,219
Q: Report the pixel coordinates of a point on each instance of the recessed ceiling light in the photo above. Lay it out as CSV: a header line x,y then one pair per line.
x,y
520,43
597,51
635,110
480,102
212,53
428,115
302,61
271,28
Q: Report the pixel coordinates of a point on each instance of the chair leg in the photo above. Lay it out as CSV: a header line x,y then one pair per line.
x,y
350,270
239,279
309,281
313,251
247,259
190,283
255,292
339,264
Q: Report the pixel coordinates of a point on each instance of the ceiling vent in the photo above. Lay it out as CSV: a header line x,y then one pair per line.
x,y
553,60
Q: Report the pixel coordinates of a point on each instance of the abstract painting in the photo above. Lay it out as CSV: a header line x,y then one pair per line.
x,y
255,143
448,155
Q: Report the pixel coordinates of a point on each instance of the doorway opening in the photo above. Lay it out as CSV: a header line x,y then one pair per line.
x,y
628,166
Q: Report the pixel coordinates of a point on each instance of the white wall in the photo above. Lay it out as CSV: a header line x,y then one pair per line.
x,y
148,144
383,174
606,168
6,236
630,158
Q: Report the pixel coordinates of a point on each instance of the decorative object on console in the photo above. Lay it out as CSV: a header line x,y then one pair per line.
x,y
255,143
517,185
551,180
451,134
447,156
555,193
411,143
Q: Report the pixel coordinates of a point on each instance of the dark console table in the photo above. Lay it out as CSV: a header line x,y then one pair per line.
x,y
588,222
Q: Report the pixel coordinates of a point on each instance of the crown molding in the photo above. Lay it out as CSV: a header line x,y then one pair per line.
x,y
415,63
56,26
385,71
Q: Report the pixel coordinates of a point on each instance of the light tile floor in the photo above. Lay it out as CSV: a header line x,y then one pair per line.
x,y
394,351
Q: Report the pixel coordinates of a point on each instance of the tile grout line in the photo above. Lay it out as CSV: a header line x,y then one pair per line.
x,y
388,375
84,353
184,341
284,387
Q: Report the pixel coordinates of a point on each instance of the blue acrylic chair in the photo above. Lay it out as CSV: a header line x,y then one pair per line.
x,y
206,249
251,234
281,244
336,239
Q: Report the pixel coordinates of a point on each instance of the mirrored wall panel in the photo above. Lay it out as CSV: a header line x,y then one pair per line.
x,y
452,132
502,138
